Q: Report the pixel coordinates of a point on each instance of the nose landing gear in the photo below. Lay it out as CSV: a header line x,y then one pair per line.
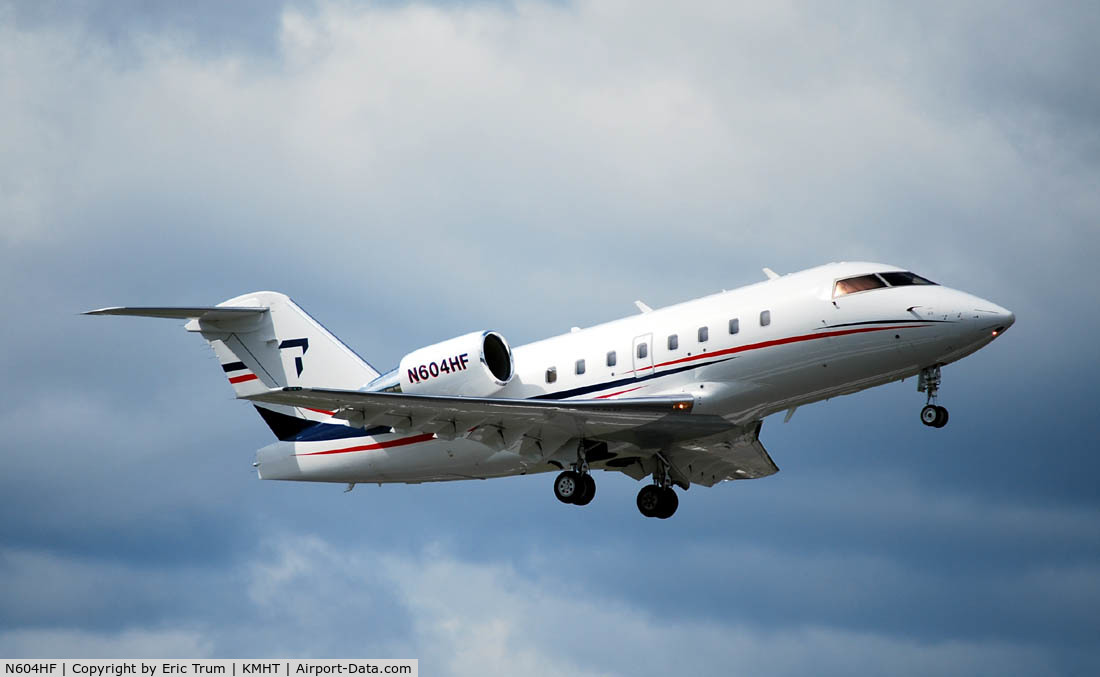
x,y
932,414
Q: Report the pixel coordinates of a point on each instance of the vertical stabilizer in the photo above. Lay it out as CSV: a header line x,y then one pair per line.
x,y
281,347
263,340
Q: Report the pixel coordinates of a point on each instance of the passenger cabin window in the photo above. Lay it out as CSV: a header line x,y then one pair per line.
x,y
580,367
643,350
735,325
673,342
551,374
611,359
765,318
859,283
704,334
904,279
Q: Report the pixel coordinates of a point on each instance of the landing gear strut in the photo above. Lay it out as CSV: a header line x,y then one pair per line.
x,y
932,414
576,486
659,499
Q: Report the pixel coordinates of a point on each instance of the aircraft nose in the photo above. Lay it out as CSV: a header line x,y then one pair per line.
x,y
1008,318
1005,317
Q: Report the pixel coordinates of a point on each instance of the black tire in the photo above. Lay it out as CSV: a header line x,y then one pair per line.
x,y
930,414
941,419
567,486
669,502
649,500
589,485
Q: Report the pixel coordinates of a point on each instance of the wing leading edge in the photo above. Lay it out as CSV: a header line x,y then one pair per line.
x,y
433,413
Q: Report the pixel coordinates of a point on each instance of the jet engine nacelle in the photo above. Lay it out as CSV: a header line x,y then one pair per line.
x,y
474,365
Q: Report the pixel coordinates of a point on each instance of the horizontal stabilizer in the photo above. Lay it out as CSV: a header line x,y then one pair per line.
x,y
264,340
210,313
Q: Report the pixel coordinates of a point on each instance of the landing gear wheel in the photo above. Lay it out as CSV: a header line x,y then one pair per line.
x,y
669,502
929,382
589,490
649,500
930,414
568,486
656,501
941,421
934,415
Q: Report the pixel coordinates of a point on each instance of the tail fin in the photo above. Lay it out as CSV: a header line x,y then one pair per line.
x,y
264,340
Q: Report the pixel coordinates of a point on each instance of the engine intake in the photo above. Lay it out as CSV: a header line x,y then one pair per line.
x,y
478,364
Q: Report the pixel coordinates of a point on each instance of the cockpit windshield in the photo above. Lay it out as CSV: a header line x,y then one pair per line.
x,y
854,284
901,279
859,283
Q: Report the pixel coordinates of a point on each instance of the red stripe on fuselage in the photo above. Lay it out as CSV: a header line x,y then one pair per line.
x,y
415,439
777,342
319,411
628,390
242,379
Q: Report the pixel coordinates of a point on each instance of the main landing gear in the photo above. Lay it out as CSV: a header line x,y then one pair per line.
x,y
932,414
576,486
659,499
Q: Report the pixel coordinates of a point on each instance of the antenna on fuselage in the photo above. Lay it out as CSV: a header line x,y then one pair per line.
x,y
770,273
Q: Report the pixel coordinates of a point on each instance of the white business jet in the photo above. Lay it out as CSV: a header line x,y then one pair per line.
x,y
677,394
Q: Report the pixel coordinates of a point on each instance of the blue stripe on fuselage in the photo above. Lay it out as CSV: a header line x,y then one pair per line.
x,y
584,390
321,432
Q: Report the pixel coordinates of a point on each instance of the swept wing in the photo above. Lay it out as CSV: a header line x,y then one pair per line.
x,y
703,449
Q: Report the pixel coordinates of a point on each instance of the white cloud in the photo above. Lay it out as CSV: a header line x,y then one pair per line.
x,y
310,597
493,158
485,133
472,618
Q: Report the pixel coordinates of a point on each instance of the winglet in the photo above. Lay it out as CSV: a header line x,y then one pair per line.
x,y
643,307
770,273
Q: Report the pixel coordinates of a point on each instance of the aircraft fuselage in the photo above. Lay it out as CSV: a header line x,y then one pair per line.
x,y
741,355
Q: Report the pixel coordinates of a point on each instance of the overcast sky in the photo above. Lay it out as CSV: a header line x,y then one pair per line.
x,y
412,172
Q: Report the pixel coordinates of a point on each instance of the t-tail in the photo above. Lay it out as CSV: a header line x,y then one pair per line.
x,y
264,340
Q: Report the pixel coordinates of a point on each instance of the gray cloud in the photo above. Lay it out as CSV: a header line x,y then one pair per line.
x,y
413,172
297,597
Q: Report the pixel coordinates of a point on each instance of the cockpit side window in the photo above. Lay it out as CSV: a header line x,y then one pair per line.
x,y
902,279
852,285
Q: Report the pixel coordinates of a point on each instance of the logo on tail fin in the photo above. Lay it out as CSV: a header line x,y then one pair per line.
x,y
302,343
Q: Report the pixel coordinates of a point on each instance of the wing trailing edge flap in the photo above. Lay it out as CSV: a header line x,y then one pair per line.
x,y
718,459
533,441
536,429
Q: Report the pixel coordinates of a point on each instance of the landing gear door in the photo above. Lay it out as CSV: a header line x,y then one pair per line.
x,y
643,355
